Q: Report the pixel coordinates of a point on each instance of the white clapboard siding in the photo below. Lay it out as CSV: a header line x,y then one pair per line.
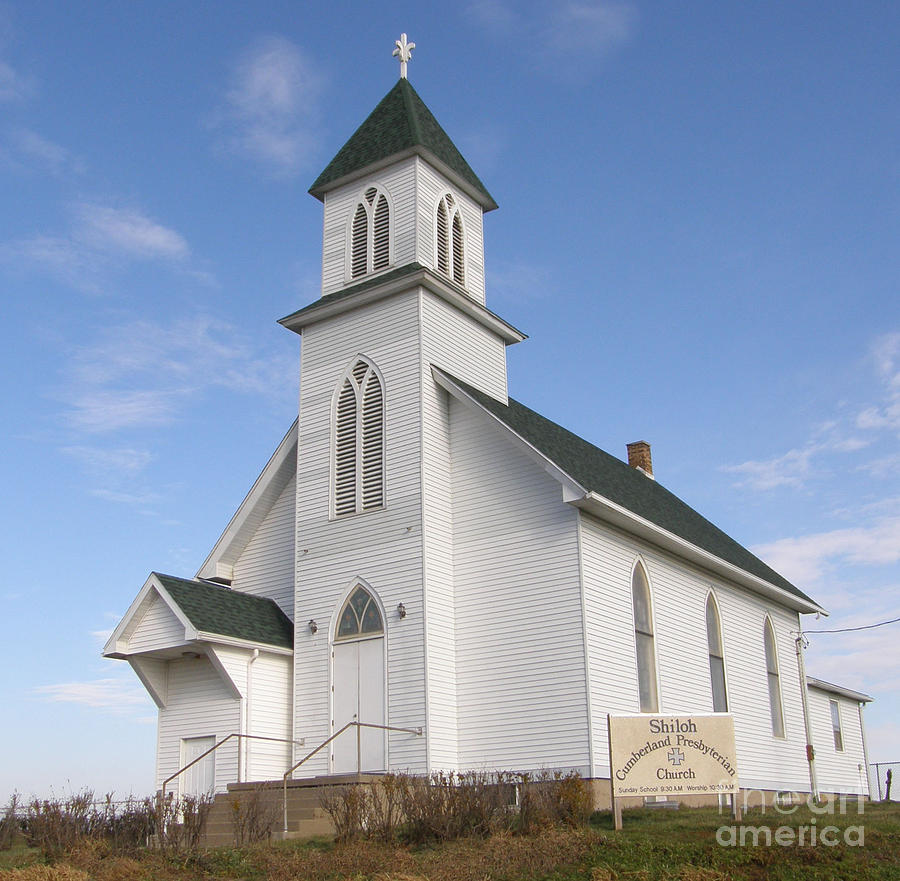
x,y
519,647
269,714
264,683
462,347
266,566
440,637
432,186
679,594
158,628
199,705
398,182
381,546
837,770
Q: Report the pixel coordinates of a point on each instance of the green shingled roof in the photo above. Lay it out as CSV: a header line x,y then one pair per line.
x,y
400,122
212,608
617,481
359,287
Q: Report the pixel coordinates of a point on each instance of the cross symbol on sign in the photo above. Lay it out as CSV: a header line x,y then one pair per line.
x,y
676,756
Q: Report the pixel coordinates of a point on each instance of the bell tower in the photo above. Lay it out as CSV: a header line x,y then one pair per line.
x,y
403,292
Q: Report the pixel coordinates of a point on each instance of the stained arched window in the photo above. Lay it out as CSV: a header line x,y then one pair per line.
x,y
643,639
716,656
360,616
359,440
772,675
450,240
370,234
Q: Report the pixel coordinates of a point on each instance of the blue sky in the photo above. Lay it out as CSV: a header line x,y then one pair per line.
x,y
698,226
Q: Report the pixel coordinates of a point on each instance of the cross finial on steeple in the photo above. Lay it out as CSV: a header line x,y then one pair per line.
x,y
403,52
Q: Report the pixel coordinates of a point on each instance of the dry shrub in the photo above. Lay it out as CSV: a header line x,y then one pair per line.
x,y
347,807
44,873
551,798
56,826
446,806
384,808
254,812
9,823
181,821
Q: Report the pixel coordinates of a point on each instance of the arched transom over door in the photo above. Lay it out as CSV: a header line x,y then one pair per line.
x,y
358,685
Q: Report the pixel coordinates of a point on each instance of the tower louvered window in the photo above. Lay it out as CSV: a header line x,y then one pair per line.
x,y
450,240
359,441
370,234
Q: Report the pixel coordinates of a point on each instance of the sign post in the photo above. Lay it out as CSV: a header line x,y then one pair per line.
x,y
655,754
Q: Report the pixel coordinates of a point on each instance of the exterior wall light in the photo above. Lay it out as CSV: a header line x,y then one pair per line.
x,y
401,610
313,627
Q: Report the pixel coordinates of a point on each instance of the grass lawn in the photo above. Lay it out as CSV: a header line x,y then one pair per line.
x,y
654,844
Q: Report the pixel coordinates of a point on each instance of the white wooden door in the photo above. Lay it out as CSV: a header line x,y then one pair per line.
x,y
359,697
199,779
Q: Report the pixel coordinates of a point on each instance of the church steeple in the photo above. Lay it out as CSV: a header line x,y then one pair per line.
x,y
403,211
400,126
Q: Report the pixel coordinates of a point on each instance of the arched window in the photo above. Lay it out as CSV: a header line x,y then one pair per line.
x,y
643,638
772,676
359,440
716,656
360,616
370,234
450,240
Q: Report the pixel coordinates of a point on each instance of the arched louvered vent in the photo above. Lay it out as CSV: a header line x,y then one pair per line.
x,y
359,441
370,234
345,451
459,275
450,240
359,242
372,443
443,238
381,256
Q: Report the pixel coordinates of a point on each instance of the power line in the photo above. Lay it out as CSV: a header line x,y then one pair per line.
x,y
849,629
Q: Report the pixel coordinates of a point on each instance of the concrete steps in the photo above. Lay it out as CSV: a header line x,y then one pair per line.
x,y
305,815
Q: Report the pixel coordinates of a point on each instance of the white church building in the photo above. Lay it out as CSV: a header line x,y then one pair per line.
x,y
426,554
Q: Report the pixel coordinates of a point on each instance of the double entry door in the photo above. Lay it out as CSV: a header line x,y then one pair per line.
x,y
358,683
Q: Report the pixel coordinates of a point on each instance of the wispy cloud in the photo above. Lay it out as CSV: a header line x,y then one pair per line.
x,y
14,86
495,14
101,460
127,232
116,694
804,559
143,374
569,38
28,149
885,355
271,108
517,280
102,238
594,27
840,436
790,469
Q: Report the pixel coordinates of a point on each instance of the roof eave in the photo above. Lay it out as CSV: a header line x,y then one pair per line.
x,y
240,529
424,278
831,688
615,514
482,197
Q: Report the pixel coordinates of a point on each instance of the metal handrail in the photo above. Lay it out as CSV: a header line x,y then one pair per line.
x,y
225,739
324,743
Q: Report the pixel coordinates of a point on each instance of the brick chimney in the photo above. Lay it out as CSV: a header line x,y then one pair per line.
x,y
639,457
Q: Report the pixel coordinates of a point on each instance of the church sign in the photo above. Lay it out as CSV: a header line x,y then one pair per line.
x,y
656,755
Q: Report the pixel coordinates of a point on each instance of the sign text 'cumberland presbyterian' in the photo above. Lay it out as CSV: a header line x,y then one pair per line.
x,y
672,755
